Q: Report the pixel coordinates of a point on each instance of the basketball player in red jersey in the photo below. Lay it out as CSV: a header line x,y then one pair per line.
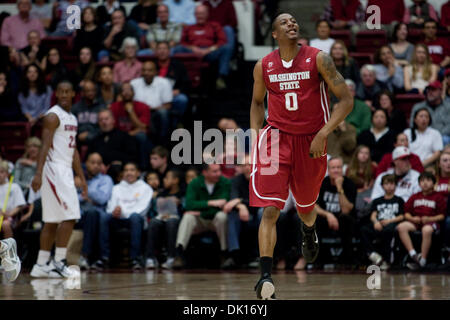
x,y
296,79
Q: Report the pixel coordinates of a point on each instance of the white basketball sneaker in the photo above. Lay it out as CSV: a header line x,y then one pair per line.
x,y
60,269
10,261
40,270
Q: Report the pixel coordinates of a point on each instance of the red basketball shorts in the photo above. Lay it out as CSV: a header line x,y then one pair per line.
x,y
281,161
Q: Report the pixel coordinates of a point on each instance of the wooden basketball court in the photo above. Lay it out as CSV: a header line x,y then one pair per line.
x,y
211,285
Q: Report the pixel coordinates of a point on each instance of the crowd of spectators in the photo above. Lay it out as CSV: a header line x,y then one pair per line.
x,y
386,169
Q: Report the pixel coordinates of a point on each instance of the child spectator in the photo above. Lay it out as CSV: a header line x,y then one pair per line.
x,y
190,175
152,179
423,211
387,211
165,225
323,40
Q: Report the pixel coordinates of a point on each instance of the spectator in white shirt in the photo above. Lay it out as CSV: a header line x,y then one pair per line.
x,y
15,202
156,92
423,140
323,42
407,178
128,207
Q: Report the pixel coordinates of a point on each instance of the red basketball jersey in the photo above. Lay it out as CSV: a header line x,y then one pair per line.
x,y
296,95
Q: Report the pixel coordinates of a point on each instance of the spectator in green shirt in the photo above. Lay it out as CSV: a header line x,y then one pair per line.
x,y
361,115
206,196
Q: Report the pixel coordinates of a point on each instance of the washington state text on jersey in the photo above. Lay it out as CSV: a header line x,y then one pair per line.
x,y
289,80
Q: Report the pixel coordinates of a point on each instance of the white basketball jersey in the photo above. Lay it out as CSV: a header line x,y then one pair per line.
x,y
64,140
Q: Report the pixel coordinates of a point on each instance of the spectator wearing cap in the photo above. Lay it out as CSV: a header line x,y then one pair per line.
x,y
15,28
206,39
323,40
130,67
425,141
133,117
407,182
387,162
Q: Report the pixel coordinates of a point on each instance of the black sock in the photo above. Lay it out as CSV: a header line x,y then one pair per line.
x,y
266,266
308,229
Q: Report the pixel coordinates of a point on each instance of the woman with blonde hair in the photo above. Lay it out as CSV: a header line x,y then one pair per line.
x,y
25,167
345,64
361,170
421,71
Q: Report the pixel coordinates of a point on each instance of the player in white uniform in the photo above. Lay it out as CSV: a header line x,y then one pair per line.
x,y
54,177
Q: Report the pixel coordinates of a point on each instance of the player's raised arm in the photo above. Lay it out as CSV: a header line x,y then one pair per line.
x,y
337,85
50,124
257,106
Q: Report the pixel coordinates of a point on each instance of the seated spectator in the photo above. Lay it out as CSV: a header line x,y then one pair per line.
x,y
445,15
144,14
34,97
360,116
86,68
130,67
335,207
208,41
162,31
107,89
242,219
345,64
386,162
406,178
128,207
402,49
421,72
392,11
396,117
379,138
15,202
443,174
369,87
42,10
115,34
9,108
86,110
105,10
425,141
165,224
323,41
156,92
419,12
437,47
190,175
34,52
206,197
222,11
133,117
433,101
89,34
342,142
92,211
386,213
54,68
361,170
174,70
115,146
61,15
25,167
344,14
387,71
181,11
159,161
423,212
15,28
152,179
